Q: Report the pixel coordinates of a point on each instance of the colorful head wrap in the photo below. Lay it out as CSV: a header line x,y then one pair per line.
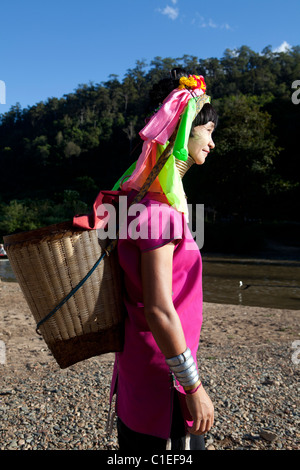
x,y
183,103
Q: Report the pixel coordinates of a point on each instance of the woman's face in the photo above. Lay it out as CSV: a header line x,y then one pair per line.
x,y
201,142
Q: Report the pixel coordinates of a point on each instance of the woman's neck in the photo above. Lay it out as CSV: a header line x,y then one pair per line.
x,y
182,166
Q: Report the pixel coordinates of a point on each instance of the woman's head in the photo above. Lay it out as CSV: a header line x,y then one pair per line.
x,y
200,139
165,86
179,99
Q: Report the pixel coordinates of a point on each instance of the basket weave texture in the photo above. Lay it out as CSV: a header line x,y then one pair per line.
x,y
48,263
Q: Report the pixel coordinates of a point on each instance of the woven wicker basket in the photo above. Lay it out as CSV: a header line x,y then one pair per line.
x,y
48,264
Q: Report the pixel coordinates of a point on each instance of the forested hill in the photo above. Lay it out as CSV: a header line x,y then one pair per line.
x,y
56,155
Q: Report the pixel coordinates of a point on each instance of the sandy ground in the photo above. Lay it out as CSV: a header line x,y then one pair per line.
x,y
224,326
248,362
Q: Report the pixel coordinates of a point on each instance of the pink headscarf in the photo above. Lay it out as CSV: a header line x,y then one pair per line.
x,y
158,131
162,125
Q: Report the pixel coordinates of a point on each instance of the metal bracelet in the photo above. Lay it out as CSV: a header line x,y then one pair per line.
x,y
186,372
180,359
181,367
190,380
184,368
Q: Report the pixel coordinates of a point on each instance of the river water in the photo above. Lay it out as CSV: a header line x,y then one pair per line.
x,y
253,282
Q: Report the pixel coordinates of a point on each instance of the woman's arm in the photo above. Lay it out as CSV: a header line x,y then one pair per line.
x,y
165,325
161,316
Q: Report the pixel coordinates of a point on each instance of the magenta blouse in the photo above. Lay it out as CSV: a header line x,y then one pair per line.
x,y
141,379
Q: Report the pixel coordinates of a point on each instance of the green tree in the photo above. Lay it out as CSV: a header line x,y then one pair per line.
x,y
16,216
93,131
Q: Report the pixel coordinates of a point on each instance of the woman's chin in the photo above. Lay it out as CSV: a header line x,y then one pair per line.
x,y
200,161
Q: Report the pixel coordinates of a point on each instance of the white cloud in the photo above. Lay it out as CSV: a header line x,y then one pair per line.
x,y
211,24
171,12
201,22
174,2
284,47
226,26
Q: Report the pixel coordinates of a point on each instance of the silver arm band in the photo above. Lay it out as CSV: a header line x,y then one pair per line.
x,y
186,372
184,368
190,380
180,359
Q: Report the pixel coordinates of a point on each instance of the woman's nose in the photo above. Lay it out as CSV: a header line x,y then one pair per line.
x,y
211,144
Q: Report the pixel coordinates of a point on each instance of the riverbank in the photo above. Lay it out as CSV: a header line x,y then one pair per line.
x,y
246,362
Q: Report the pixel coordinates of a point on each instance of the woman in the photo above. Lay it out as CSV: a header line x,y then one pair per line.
x,y
160,401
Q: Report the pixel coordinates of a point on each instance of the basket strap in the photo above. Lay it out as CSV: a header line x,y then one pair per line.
x,y
113,243
71,293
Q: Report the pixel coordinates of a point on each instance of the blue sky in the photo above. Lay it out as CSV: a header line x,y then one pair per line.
x,y
48,48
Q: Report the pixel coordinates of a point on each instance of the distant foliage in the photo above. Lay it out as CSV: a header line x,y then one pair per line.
x,y
56,155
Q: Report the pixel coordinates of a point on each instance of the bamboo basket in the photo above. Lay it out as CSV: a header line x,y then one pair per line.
x,y
48,264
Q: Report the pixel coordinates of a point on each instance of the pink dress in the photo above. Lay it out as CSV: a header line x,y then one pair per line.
x,y
141,379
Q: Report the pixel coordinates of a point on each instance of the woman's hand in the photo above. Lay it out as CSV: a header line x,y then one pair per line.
x,y
202,411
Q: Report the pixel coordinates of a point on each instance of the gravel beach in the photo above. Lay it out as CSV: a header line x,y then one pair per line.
x,y
249,363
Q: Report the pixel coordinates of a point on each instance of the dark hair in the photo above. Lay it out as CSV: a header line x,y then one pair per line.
x,y
207,114
177,73
165,86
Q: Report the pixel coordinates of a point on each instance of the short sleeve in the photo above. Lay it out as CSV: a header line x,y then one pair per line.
x,y
154,224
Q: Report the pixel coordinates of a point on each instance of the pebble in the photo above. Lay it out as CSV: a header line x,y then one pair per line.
x,y
46,408
268,436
